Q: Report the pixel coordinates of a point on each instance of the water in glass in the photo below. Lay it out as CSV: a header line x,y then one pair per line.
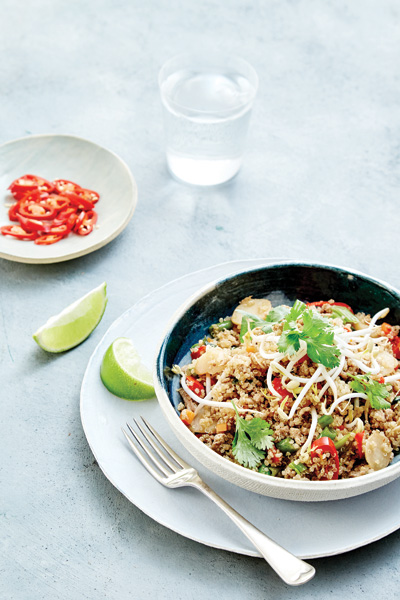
x,y
206,119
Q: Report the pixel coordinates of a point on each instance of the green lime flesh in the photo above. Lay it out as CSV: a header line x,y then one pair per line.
x,y
123,374
74,324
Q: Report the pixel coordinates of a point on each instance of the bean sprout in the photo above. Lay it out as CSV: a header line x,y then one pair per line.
x,y
313,427
207,402
357,346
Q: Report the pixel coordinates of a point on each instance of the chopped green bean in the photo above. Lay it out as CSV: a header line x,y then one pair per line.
x,y
221,326
342,442
329,432
200,343
299,467
325,420
344,313
265,470
271,471
286,445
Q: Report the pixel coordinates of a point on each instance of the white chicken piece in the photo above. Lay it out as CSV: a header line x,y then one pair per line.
x,y
387,362
257,307
378,451
212,361
201,424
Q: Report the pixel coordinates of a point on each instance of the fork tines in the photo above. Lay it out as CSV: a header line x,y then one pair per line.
x,y
154,452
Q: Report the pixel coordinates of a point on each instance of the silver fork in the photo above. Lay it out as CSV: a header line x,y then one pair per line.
x,y
177,473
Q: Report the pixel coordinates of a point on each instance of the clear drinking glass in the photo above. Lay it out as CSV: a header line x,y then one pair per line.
x,y
207,103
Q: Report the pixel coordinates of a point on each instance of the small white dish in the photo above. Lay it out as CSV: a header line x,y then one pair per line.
x,y
78,160
297,526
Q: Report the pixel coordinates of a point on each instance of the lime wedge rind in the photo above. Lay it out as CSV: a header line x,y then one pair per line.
x,y
74,324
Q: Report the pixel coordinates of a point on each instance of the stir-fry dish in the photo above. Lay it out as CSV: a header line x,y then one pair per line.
x,y
307,392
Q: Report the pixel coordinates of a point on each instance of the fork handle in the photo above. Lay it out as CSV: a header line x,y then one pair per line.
x,y
291,569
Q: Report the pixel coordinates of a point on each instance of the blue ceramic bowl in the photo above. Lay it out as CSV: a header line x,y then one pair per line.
x,y
281,284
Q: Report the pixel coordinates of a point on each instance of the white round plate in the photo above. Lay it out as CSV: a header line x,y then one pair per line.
x,y
78,160
298,526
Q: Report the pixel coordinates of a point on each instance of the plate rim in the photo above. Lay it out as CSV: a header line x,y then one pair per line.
x,y
93,247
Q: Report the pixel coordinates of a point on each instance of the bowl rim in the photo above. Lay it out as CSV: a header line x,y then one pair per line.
x,y
238,471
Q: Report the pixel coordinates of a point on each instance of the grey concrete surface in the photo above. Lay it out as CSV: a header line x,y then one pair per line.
x,y
320,181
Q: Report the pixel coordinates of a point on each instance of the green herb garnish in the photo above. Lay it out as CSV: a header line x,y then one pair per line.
x,y
375,391
251,440
277,314
316,332
250,321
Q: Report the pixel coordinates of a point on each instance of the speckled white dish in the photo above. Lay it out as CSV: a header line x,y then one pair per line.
x,y
299,526
78,160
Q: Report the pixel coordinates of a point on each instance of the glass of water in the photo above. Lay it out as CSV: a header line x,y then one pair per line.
x,y
207,103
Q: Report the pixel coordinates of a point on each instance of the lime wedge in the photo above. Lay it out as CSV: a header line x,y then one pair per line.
x,y
123,374
74,324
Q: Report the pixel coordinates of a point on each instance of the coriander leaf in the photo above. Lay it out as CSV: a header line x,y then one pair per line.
x,y
313,323
321,350
251,440
260,432
316,332
250,321
294,313
289,342
277,314
358,386
375,391
243,450
250,324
